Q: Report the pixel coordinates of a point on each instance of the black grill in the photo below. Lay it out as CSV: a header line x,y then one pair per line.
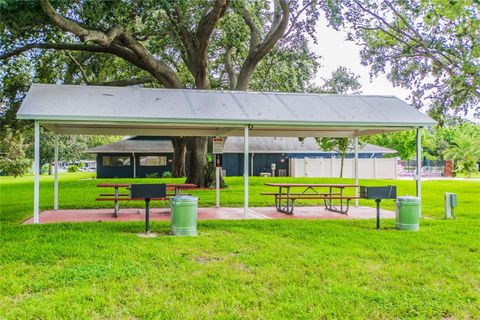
x,y
377,194
148,191
385,192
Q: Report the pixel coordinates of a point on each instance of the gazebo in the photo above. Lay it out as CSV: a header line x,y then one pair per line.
x,y
95,110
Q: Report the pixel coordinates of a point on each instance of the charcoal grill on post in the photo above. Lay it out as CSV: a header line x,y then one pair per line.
x,y
148,192
377,194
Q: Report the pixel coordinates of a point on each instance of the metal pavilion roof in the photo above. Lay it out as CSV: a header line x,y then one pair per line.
x,y
72,109
232,145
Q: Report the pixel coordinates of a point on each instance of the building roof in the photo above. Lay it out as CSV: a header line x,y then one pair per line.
x,y
72,109
232,145
136,146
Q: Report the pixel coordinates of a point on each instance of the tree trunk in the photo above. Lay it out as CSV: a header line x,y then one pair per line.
x,y
179,153
199,171
50,167
341,165
197,164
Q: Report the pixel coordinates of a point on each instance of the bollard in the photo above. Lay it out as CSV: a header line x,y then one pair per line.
x,y
450,205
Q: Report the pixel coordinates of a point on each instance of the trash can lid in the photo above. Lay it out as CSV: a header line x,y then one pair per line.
x,y
408,199
184,198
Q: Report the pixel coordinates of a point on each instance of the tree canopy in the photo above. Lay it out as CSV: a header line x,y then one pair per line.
x,y
428,46
198,44
431,47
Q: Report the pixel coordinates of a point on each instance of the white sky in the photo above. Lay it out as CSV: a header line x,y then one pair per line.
x,y
335,51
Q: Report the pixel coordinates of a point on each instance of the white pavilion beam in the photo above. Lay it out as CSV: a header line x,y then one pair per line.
x,y
36,170
55,176
356,169
418,178
245,172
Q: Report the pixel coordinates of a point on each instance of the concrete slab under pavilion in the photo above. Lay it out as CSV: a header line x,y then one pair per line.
x,y
163,214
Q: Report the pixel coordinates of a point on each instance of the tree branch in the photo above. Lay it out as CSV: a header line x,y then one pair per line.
x,y
232,74
207,25
128,48
259,51
255,37
119,51
103,39
126,82
114,83
55,46
416,37
295,18
420,40
196,44
79,66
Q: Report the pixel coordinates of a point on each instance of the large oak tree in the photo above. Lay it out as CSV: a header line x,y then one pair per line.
x,y
201,44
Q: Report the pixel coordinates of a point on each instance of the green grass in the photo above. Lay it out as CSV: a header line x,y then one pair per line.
x,y
78,190
268,269
473,176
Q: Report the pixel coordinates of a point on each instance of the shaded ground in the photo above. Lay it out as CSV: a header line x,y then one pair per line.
x,y
163,214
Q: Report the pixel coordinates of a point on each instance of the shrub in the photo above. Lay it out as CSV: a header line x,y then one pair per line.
x,y
152,175
167,174
72,168
13,159
44,168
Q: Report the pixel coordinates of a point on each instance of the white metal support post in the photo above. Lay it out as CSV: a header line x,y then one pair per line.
x,y
217,187
418,176
245,172
36,181
356,169
55,176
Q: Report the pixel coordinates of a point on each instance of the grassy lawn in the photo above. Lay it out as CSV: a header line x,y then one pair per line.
x,y
78,190
473,176
238,269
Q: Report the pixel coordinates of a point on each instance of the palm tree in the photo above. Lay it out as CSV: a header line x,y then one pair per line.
x,y
465,150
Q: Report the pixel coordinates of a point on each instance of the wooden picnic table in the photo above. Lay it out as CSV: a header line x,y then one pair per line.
x,y
117,196
285,198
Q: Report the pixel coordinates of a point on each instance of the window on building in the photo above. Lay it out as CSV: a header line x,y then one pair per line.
x,y
153,161
116,161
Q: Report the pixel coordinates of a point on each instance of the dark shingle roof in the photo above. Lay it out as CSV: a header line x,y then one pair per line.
x,y
232,145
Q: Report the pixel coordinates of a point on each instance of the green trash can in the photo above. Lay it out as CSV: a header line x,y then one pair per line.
x,y
184,215
407,214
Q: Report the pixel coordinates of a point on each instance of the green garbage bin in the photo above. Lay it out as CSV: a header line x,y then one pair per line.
x,y
184,215
407,213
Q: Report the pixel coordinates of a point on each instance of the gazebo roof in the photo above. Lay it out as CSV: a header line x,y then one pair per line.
x,y
70,109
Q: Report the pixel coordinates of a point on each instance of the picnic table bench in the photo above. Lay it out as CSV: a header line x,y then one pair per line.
x,y
116,197
331,194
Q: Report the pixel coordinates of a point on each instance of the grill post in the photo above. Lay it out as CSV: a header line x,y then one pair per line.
x,y
378,213
147,215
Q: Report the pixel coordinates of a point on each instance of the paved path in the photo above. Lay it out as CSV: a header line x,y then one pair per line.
x,y
95,215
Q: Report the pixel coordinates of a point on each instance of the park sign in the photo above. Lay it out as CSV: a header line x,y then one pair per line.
x,y
218,143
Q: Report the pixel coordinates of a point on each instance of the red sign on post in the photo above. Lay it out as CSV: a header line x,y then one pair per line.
x,y
218,160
